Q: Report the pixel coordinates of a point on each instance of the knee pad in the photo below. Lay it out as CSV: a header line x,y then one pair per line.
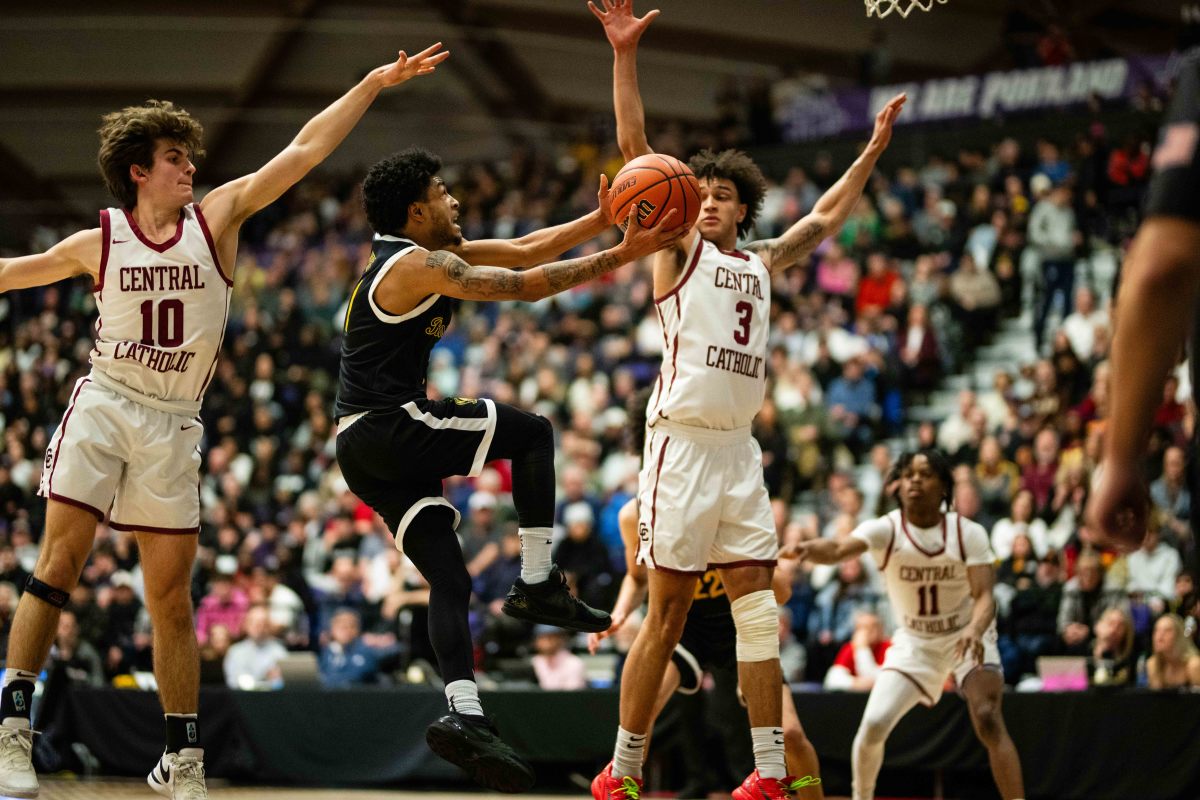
x,y
756,618
47,593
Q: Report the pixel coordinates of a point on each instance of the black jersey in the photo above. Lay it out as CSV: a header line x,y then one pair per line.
x,y
1175,188
710,609
385,356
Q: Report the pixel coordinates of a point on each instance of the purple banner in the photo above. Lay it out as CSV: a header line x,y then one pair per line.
x,y
819,114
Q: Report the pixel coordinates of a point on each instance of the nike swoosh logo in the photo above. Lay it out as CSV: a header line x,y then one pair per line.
x,y
186,427
162,771
119,241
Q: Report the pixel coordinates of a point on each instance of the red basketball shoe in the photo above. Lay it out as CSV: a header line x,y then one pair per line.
x,y
606,787
756,787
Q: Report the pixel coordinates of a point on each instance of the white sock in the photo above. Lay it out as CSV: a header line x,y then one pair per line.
x,y
535,554
11,675
769,752
629,754
463,697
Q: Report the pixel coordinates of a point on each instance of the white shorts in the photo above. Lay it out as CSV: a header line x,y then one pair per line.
x,y
927,662
111,452
702,502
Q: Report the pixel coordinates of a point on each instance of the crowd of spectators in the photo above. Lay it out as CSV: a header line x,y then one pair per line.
x,y
934,259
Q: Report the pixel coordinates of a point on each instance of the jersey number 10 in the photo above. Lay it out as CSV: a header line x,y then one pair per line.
x,y
927,592
170,322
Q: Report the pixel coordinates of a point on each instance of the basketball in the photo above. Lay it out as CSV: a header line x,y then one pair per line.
x,y
655,183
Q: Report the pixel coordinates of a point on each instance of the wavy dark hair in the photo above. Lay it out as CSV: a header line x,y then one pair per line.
x,y
393,184
636,408
129,136
740,169
937,462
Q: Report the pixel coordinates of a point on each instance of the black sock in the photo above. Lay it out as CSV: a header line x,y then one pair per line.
x,y
183,730
16,700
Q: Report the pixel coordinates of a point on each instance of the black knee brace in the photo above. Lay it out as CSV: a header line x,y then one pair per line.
x,y
44,591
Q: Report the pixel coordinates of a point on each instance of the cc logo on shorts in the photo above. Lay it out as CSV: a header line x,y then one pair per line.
x,y
643,532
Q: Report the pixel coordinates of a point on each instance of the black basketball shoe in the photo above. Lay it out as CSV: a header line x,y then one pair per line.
x,y
551,603
471,741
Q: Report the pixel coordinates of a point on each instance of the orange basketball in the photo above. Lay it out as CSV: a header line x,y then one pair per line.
x,y
655,183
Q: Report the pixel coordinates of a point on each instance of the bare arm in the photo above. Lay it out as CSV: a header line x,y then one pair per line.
x,y
1155,308
981,578
449,275
634,585
540,246
624,30
834,207
229,205
79,253
825,551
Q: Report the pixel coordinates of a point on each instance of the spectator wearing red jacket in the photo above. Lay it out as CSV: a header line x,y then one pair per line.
x,y
858,662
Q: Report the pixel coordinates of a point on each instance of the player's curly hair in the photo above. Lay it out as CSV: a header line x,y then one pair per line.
x,y
937,462
129,136
636,408
393,184
735,166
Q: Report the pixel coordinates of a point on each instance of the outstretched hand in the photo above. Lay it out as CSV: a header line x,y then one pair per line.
x,y
406,67
884,121
594,639
604,196
621,27
641,241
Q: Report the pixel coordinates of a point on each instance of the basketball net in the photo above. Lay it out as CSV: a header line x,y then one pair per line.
x,y
881,8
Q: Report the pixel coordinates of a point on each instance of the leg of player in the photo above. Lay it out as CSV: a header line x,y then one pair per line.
x,y
540,594
801,756
891,698
983,689
756,618
465,736
167,567
65,547
641,680
666,689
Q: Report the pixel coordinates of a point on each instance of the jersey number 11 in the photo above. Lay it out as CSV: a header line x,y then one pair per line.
x,y
930,608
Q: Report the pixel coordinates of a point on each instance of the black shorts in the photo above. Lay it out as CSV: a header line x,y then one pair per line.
x,y
707,642
395,460
1175,187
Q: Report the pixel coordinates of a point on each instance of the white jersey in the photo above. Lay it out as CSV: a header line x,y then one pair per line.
x,y
926,569
715,327
163,309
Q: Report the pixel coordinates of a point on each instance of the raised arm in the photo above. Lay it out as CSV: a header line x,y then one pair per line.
x,y
834,207
624,30
77,254
540,246
448,274
229,205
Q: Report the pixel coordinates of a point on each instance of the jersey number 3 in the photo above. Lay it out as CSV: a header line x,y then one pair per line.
x,y
170,322
745,313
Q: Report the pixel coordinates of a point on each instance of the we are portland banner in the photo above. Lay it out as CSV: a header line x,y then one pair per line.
x,y
821,114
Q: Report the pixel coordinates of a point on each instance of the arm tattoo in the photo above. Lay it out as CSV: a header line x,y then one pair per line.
x,y
789,247
486,281
565,274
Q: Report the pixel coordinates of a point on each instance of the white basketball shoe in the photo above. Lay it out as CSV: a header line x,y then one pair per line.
x,y
180,776
17,778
